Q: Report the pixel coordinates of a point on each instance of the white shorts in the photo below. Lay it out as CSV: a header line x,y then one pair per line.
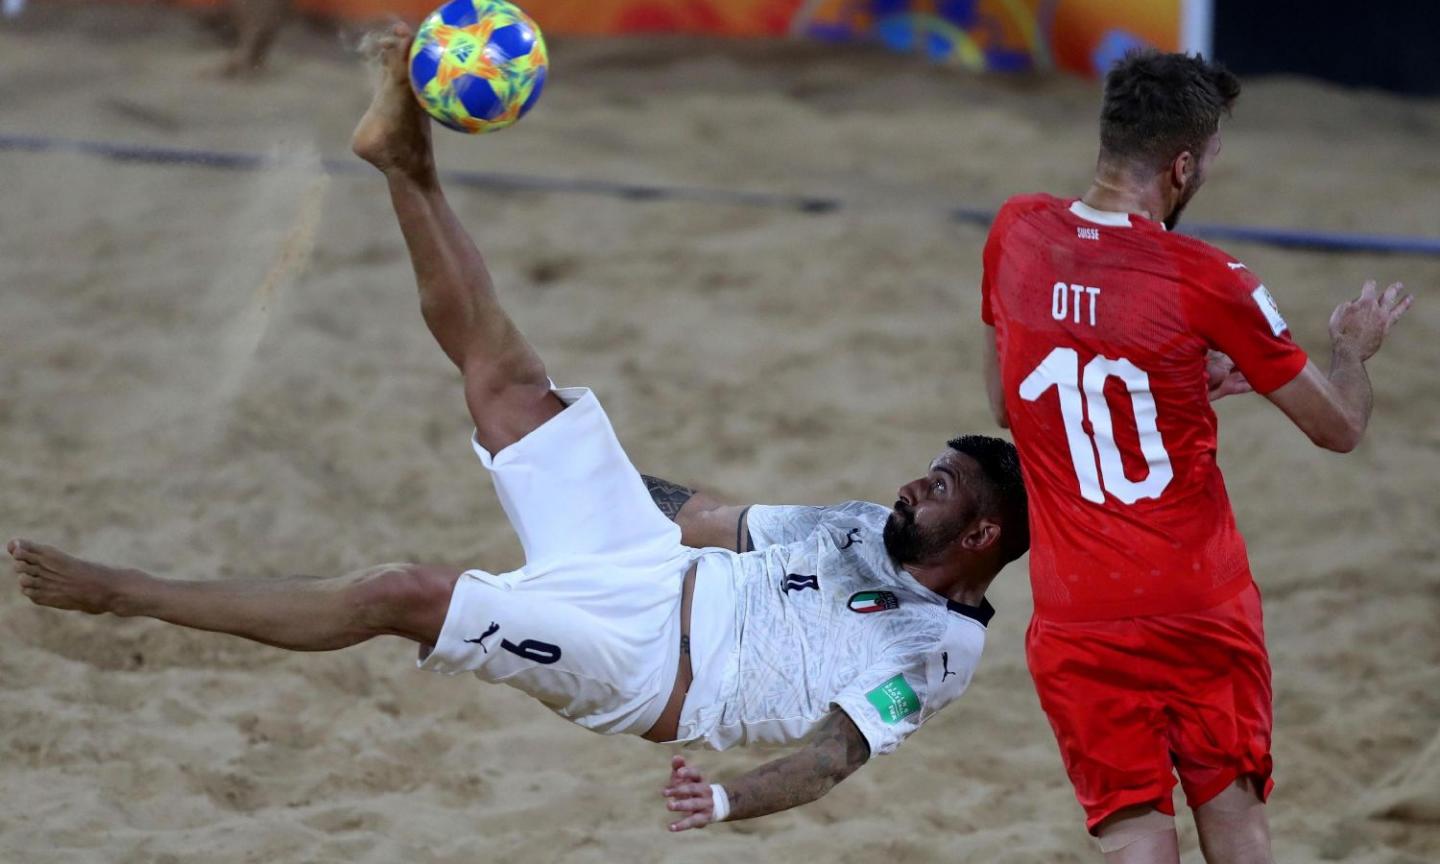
x,y
590,626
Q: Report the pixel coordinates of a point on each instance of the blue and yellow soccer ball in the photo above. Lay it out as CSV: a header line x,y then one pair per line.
x,y
478,65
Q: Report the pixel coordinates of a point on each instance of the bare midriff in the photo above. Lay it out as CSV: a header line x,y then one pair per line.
x,y
667,725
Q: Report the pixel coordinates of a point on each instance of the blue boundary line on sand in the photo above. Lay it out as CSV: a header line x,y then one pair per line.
x,y
1289,238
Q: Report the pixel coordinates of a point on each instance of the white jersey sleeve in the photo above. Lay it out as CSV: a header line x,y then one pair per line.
x,y
910,683
783,524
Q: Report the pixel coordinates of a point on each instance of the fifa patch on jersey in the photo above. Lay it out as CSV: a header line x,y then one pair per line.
x,y
894,700
1262,298
866,602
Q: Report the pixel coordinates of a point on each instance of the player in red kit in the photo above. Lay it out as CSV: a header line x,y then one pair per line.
x,y
1111,336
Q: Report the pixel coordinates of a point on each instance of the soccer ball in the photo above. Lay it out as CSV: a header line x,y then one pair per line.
x,y
478,65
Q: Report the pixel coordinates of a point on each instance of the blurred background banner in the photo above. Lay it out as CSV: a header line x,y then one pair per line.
x,y
1083,36
1366,45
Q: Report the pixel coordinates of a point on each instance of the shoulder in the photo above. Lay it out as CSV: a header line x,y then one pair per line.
x,y
940,651
1018,206
1202,260
866,510
864,514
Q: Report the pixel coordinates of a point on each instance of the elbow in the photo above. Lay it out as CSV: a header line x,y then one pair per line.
x,y
689,531
1340,438
1342,445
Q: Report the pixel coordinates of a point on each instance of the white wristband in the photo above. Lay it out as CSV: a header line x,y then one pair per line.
x,y
722,802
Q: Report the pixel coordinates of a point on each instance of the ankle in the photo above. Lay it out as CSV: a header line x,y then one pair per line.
x,y
420,176
125,594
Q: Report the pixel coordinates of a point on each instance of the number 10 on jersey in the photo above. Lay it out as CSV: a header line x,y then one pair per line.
x,y
1083,392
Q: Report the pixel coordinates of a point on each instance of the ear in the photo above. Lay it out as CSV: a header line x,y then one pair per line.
x,y
1182,169
982,536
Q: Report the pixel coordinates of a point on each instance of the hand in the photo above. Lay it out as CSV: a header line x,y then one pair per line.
x,y
1223,378
1358,326
687,792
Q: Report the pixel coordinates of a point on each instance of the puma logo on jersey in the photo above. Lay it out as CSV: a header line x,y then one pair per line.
x,y
490,631
796,582
1088,233
851,538
945,664
1235,265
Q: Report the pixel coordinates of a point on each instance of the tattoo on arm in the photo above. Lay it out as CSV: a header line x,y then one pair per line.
x,y
743,541
836,751
669,497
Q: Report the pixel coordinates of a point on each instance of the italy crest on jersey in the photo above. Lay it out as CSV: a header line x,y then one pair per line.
x,y
866,602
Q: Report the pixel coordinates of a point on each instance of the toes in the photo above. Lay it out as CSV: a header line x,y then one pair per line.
x,y
24,550
45,553
395,57
376,45
37,554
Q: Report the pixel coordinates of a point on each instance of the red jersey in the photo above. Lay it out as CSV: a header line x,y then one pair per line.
x,y
1102,323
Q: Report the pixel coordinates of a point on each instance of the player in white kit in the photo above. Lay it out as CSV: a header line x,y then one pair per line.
x,y
844,627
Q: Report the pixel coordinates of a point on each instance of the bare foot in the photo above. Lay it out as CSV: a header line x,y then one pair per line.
x,y
394,134
49,577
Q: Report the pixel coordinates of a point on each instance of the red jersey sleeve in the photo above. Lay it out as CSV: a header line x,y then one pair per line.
x,y
1234,313
991,260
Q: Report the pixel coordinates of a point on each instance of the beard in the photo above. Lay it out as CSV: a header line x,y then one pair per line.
x,y
907,542
1174,218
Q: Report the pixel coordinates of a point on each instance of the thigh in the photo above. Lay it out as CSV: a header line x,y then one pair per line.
x,y
1219,699
604,659
1092,683
570,491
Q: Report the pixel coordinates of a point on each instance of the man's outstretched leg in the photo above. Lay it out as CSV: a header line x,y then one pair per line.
x,y
299,613
506,387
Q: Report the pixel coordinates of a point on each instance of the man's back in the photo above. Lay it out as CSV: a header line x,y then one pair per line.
x,y
1103,322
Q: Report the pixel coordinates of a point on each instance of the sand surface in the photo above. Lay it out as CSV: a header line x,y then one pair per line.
x,y
214,374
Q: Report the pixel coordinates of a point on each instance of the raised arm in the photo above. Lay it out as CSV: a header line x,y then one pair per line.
x,y
703,519
1333,408
835,751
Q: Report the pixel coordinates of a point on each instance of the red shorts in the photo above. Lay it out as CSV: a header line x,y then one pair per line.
x,y
1135,700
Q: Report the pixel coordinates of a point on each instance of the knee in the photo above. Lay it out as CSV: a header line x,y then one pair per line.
x,y
402,599
1137,825
506,403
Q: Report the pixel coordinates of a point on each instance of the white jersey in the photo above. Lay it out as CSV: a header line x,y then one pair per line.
x,y
818,617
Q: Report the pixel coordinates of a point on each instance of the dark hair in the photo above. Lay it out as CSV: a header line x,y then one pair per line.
x,y
1003,494
1159,105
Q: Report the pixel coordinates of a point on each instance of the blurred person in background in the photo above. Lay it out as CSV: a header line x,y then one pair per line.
x,y
252,25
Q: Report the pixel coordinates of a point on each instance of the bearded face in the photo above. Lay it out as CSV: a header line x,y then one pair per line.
x,y
909,540
1202,169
